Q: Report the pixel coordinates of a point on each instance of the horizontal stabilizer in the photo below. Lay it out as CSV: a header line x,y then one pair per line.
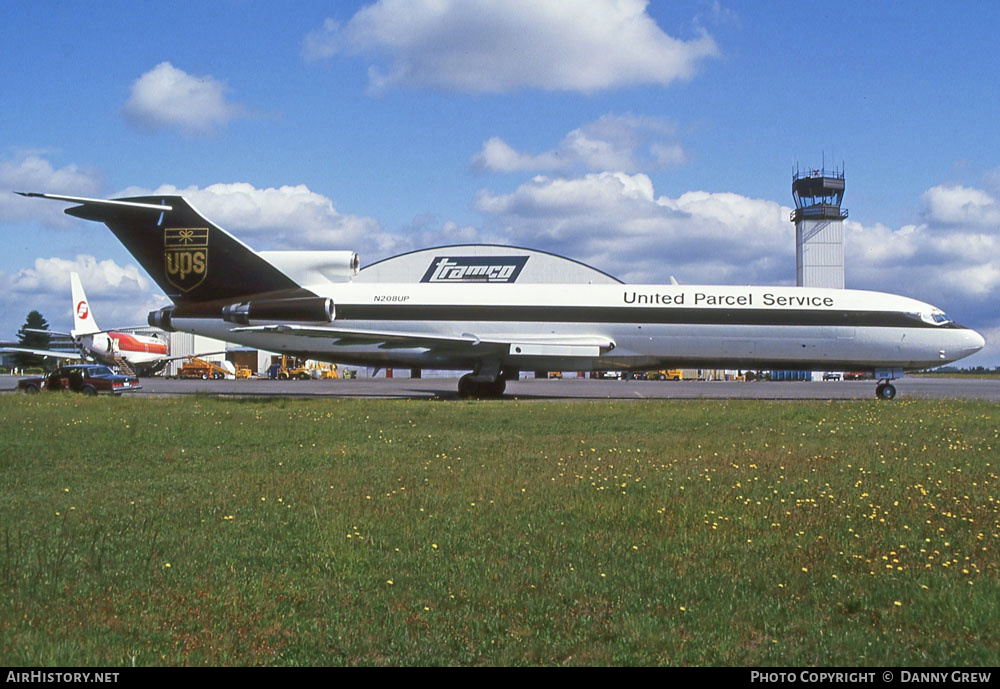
x,y
110,203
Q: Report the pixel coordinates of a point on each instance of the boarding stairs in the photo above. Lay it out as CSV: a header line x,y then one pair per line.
x,y
123,366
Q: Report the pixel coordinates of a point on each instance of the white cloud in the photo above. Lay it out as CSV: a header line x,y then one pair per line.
x,y
667,155
51,275
119,295
34,173
497,46
952,260
617,223
167,97
959,205
288,217
992,180
623,143
323,42
498,156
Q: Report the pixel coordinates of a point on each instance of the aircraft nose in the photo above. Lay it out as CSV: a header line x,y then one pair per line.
x,y
975,341
963,342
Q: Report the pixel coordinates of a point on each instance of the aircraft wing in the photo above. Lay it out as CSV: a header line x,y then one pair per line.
x,y
514,344
190,356
76,356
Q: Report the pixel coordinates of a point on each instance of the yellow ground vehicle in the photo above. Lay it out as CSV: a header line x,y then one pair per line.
x,y
291,369
325,371
297,373
665,374
204,369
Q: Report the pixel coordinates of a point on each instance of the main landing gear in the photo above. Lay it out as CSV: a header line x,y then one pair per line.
x,y
485,384
469,388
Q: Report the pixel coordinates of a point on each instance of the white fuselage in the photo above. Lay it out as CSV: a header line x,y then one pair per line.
x,y
142,352
650,326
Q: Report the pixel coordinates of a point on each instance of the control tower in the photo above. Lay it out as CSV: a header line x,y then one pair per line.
x,y
819,227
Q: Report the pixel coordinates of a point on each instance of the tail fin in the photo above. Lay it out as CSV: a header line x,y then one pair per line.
x,y
189,257
83,318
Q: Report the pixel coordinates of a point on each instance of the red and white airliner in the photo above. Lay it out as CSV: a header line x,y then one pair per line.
x,y
144,355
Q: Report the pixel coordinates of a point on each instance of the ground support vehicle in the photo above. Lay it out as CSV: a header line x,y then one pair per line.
x,y
204,369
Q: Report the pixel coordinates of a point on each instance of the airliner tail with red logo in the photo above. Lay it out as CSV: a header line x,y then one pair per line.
x,y
145,354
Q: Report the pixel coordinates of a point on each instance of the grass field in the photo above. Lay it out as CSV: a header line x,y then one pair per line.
x,y
199,531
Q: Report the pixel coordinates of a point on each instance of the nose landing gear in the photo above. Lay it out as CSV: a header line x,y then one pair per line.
x,y
885,390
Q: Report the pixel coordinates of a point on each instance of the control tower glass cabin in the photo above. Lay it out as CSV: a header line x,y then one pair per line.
x,y
819,228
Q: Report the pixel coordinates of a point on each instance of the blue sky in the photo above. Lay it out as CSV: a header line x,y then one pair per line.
x,y
648,140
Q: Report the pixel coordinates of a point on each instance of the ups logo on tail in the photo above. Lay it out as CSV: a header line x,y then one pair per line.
x,y
185,256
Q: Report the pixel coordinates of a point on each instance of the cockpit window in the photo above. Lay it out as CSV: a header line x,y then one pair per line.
x,y
935,317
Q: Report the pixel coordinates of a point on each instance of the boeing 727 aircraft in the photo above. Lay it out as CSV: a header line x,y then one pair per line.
x,y
473,316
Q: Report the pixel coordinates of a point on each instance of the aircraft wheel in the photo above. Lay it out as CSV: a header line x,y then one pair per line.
x,y
465,387
496,388
885,391
468,388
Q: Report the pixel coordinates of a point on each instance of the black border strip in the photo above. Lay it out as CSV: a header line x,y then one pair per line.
x,y
636,315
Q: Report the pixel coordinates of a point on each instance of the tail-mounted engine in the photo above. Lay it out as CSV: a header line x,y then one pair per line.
x,y
161,318
297,310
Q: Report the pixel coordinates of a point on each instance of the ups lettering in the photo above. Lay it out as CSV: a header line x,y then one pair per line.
x,y
183,263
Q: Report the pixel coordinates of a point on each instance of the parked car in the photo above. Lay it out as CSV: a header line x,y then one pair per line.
x,y
87,379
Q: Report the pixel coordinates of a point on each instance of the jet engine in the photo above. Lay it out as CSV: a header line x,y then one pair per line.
x,y
314,267
101,344
161,318
296,310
